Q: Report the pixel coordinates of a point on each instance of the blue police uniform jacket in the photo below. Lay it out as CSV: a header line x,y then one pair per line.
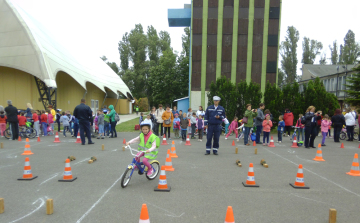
x,y
210,114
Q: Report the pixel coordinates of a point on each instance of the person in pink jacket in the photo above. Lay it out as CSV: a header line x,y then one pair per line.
x,y
325,123
233,127
267,124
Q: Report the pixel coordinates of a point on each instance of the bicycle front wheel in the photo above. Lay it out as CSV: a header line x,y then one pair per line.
x,y
30,133
356,135
126,177
7,133
342,135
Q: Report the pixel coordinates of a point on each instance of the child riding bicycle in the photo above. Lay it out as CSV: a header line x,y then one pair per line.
x,y
148,146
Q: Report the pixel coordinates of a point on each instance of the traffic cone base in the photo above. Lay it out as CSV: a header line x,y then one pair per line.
x,y
27,178
250,185
296,187
68,180
67,176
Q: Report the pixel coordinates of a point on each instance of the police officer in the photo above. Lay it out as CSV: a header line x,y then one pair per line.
x,y
84,114
213,117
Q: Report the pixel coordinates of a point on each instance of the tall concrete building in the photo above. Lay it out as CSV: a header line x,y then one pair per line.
x,y
235,38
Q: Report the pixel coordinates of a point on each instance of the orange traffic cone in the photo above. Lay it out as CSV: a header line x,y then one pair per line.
x,y
229,218
38,139
57,138
162,186
254,143
144,215
272,144
187,143
173,151
124,141
67,177
19,139
78,140
359,145
27,150
164,140
354,171
342,146
27,171
294,145
299,181
250,182
318,156
168,162
233,143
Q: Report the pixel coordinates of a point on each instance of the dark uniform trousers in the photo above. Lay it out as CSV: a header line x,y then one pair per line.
x,y
213,131
85,127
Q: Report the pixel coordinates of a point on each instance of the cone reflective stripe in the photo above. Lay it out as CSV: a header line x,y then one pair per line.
x,y
67,177
57,138
27,171
354,171
299,180
272,144
318,156
78,140
173,151
187,143
229,218
144,215
168,162
250,181
342,146
294,145
162,186
27,150
164,140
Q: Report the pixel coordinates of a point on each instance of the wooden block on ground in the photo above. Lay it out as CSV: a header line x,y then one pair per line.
x,y
2,145
332,215
123,148
255,150
2,207
49,206
102,147
236,150
90,161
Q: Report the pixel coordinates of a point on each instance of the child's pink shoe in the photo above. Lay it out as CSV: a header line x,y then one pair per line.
x,y
150,172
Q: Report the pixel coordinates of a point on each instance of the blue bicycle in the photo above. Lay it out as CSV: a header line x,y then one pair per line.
x,y
126,177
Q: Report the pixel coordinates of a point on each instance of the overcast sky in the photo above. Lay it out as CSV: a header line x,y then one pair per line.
x,y
94,28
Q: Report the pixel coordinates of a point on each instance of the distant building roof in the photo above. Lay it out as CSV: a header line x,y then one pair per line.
x,y
315,70
181,99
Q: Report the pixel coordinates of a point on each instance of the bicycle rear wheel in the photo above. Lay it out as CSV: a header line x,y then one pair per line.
x,y
7,133
356,135
156,168
126,177
30,133
342,135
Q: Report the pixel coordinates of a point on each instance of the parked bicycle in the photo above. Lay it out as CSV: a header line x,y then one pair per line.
x,y
24,132
343,134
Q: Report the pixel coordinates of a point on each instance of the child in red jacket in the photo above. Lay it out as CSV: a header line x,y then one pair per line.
x,y
43,119
267,124
2,123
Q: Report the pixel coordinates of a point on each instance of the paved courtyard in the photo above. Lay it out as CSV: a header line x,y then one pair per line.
x,y
201,186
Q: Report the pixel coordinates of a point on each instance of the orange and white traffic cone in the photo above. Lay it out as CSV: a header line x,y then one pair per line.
x,y
229,218
57,138
27,171
124,141
78,140
354,171
187,143
250,181
233,143
19,139
342,146
254,143
67,177
272,144
318,156
164,140
27,150
294,145
38,139
299,181
359,145
168,162
162,186
144,215
173,151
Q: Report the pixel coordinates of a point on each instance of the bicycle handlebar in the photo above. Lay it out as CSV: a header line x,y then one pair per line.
x,y
131,149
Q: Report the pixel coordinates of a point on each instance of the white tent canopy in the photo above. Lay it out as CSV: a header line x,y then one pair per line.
x,y
26,46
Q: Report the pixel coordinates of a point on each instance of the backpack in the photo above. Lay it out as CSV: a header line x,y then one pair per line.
x,y
117,117
303,120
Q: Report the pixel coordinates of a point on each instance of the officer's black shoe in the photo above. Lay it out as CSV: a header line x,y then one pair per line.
x,y
91,143
207,153
215,153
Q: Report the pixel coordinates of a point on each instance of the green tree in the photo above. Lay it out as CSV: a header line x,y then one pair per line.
x,y
334,53
153,44
164,41
323,59
273,97
186,42
289,55
353,86
350,49
112,65
311,48
124,51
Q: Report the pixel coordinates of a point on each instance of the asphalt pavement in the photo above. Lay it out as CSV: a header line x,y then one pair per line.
x,y
201,186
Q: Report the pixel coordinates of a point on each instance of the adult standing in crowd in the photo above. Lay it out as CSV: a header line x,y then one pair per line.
x,y
318,127
160,121
168,119
213,117
12,119
310,126
350,117
83,113
289,121
338,120
112,122
200,112
174,111
258,121
28,113
153,119
249,114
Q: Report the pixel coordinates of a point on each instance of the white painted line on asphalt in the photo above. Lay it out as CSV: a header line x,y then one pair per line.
x,y
311,199
102,196
80,161
49,179
170,213
316,174
41,204
311,161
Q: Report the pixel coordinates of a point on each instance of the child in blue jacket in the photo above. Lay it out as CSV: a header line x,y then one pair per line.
x,y
281,127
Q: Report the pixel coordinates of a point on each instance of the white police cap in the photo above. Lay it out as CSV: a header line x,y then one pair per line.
x,y
216,98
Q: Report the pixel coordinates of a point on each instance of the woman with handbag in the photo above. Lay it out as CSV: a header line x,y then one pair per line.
x,y
248,121
168,118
